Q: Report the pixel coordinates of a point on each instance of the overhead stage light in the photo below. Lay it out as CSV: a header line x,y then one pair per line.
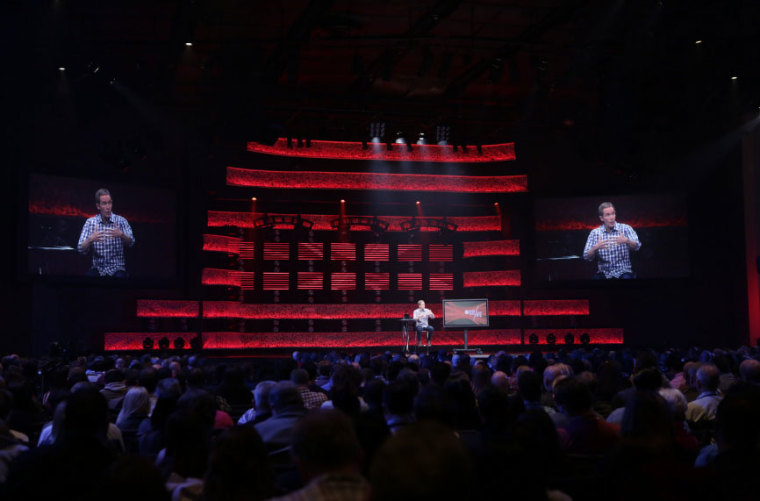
x,y
442,135
377,131
421,139
400,139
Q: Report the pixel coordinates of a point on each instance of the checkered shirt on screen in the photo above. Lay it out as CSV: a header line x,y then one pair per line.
x,y
108,254
614,260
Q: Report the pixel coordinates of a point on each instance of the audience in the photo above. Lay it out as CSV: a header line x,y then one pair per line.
x,y
582,423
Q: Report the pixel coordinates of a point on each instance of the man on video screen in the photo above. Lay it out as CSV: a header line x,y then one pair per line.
x,y
611,244
106,235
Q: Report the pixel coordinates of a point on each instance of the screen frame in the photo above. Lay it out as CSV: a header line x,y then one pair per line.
x,y
143,282
445,302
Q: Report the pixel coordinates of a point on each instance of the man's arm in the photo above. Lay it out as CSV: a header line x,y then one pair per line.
x,y
86,237
589,251
633,239
124,231
429,313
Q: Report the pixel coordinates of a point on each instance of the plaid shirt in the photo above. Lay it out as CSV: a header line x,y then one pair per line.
x,y
312,399
614,260
108,254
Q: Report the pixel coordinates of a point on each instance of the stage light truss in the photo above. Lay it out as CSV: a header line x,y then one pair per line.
x,y
349,223
417,223
354,150
283,221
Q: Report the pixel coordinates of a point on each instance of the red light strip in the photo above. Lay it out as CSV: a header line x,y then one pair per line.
x,y
369,181
441,282
636,222
276,251
342,252
167,308
441,253
376,252
492,248
376,281
410,281
230,278
596,336
44,207
310,251
509,278
409,252
556,307
343,281
219,243
275,281
351,150
217,219
227,309
310,280
230,309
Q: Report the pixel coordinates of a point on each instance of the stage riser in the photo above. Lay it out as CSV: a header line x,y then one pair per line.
x,y
131,341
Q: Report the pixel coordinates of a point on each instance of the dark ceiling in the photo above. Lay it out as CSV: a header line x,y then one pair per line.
x,y
617,84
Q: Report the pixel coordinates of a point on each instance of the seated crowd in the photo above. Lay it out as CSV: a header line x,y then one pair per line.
x,y
577,423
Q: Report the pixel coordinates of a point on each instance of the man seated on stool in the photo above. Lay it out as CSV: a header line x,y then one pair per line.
x,y
421,316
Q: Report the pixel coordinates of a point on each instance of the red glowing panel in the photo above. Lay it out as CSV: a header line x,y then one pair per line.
x,y
233,309
167,308
596,336
441,282
504,308
556,307
390,339
492,248
352,150
246,250
308,280
323,222
276,251
367,181
636,222
441,253
343,281
133,341
509,278
410,281
376,281
342,252
376,252
219,243
231,278
310,251
217,219
275,281
409,252
45,207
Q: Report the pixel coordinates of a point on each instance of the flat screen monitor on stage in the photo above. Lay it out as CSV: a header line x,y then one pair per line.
x,y
641,236
465,313
61,210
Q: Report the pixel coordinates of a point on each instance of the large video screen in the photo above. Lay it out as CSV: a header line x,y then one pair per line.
x,y
465,313
131,236
636,237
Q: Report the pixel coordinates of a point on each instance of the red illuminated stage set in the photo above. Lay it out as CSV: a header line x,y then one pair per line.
x,y
344,280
